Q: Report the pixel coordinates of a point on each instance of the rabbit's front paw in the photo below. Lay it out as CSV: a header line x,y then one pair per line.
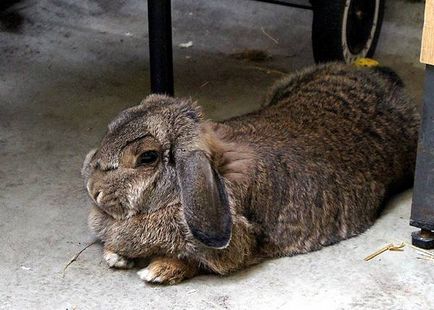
x,y
117,261
165,270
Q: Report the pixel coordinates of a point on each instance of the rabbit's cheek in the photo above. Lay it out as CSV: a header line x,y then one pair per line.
x,y
136,192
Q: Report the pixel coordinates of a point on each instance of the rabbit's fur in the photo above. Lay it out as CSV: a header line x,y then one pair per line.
x,y
311,168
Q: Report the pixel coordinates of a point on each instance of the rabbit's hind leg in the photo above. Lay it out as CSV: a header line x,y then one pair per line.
x,y
167,270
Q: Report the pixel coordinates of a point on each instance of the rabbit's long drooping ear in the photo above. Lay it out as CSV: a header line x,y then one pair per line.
x,y
204,199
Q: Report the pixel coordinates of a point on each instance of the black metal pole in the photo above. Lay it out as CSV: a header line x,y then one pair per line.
x,y
160,46
422,209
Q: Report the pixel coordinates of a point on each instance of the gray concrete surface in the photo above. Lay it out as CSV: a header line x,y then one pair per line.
x,y
72,66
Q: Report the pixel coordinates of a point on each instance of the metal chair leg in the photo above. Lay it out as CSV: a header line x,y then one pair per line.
x,y
160,46
422,209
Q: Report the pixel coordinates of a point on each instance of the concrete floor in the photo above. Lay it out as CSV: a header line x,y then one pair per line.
x,y
69,68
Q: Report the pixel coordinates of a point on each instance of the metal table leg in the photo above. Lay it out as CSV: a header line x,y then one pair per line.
x,y
160,46
422,209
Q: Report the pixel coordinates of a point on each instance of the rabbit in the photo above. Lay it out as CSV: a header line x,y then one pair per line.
x,y
312,167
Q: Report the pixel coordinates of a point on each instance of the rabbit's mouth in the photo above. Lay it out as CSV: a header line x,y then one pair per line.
x,y
117,211
110,202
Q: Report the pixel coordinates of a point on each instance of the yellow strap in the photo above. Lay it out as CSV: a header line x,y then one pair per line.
x,y
366,62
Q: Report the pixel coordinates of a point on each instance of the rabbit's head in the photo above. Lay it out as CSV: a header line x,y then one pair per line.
x,y
153,156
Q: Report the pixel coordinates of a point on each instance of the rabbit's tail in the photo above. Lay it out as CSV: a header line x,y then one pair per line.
x,y
390,74
396,188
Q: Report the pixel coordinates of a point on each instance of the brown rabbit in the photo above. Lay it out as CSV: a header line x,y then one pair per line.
x,y
311,168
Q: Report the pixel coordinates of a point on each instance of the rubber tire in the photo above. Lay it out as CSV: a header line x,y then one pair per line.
x,y
327,27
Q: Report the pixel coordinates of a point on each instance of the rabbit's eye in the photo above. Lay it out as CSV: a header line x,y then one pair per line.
x,y
146,158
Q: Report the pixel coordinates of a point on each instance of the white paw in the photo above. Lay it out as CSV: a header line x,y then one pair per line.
x,y
149,276
165,270
117,261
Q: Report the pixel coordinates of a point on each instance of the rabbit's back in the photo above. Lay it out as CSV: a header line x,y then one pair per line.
x,y
333,141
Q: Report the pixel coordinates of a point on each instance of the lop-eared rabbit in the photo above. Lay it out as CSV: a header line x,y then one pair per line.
x,y
311,168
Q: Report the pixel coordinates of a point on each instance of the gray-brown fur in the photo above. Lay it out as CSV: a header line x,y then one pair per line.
x,y
311,168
